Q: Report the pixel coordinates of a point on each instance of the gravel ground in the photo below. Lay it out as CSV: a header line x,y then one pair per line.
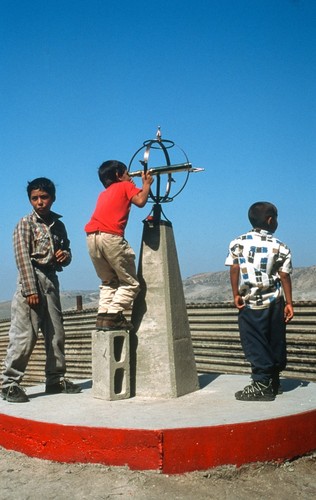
x,y
25,478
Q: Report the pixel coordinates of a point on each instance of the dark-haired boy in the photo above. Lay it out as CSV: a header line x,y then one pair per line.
x,y
260,268
111,255
41,248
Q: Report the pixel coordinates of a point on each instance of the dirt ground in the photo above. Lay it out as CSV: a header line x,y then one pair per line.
x,y
24,478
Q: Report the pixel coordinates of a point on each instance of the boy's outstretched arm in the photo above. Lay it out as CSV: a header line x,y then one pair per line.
x,y
140,199
287,287
234,280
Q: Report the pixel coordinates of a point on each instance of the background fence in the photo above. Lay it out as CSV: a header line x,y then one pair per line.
x,y
215,338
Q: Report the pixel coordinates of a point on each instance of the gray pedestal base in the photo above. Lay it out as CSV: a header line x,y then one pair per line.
x,y
164,364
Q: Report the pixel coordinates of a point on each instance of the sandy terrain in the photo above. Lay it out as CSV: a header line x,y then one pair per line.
x,y
24,478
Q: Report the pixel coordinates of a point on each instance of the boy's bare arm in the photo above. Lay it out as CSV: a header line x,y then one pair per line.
x,y
234,280
287,288
140,199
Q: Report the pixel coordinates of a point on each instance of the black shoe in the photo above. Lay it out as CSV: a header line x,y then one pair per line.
x,y
63,386
276,385
14,394
115,321
256,391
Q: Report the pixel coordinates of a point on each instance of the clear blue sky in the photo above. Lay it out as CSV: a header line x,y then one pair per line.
x,y
231,82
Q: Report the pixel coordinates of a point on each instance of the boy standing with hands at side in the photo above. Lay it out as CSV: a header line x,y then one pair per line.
x,y
41,249
111,255
260,268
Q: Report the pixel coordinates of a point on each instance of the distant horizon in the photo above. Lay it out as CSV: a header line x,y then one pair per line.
x,y
231,84
95,290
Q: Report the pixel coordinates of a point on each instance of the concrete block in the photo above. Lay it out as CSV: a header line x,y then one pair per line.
x,y
110,364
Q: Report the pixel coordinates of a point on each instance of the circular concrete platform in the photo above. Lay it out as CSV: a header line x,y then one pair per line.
x,y
197,431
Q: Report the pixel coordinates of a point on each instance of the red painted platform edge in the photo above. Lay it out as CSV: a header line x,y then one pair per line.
x,y
171,451
281,438
138,449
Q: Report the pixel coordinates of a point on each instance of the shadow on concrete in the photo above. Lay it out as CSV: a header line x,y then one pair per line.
x,y
207,378
289,384
37,395
84,385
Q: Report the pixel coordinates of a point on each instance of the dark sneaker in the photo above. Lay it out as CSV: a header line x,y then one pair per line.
x,y
276,385
14,394
63,386
256,391
115,321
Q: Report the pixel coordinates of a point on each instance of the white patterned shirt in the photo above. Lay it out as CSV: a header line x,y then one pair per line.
x,y
260,257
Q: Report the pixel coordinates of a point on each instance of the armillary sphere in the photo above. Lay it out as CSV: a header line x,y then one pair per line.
x,y
168,169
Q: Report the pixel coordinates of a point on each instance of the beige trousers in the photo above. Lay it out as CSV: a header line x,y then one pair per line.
x,y
114,262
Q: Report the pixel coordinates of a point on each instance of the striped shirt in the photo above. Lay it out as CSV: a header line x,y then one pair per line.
x,y
35,244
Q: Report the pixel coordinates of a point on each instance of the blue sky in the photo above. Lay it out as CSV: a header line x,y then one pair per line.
x,y
231,82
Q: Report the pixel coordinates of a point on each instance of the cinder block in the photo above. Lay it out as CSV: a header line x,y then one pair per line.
x,y
110,364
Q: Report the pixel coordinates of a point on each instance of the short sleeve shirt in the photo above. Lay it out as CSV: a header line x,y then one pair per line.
x,y
260,257
112,209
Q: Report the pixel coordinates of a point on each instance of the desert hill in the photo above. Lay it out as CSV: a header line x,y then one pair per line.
x,y
202,288
215,287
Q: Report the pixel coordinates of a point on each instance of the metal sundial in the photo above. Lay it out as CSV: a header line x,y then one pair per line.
x,y
168,169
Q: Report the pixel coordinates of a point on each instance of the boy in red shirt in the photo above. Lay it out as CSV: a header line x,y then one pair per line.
x,y
111,255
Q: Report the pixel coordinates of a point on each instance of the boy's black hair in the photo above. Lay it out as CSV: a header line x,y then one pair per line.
x,y
43,184
108,170
260,212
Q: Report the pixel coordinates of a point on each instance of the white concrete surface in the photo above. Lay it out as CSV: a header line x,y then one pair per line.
x,y
213,404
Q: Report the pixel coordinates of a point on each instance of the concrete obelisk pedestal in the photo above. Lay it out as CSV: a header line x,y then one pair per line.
x,y
164,365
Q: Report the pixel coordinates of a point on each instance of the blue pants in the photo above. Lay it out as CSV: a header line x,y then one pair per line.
x,y
262,335
24,330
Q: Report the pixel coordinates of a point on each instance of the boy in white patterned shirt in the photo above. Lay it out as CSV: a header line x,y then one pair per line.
x,y
260,268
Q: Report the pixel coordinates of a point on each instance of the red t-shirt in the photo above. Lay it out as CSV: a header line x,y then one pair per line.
x,y
112,209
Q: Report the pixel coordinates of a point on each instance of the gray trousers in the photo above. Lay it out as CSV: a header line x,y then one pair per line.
x,y
24,330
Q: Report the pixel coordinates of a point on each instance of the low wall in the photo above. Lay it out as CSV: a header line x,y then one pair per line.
x,y
215,337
